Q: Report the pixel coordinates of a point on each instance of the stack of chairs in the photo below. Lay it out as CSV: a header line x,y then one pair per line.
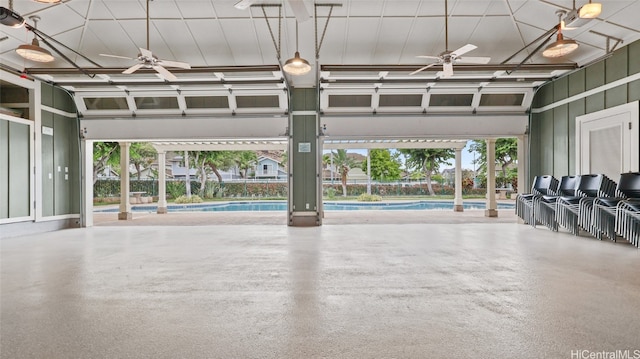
x,y
542,185
545,206
572,212
605,209
628,220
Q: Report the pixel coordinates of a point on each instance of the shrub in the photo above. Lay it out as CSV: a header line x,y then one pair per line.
x,y
193,199
369,198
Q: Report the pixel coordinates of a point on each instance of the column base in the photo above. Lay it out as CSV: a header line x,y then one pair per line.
x,y
304,220
491,213
458,208
126,216
162,210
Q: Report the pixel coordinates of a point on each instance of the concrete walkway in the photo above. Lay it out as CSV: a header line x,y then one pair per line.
x,y
386,288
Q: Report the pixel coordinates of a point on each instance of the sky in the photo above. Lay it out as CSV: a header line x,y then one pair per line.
x,y
467,157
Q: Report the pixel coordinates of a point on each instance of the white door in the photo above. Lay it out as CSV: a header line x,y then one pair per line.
x,y
607,141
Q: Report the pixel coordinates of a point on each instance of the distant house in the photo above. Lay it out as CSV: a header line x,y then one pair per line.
x,y
268,167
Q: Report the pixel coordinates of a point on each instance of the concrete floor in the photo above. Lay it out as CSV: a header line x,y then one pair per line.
x,y
483,289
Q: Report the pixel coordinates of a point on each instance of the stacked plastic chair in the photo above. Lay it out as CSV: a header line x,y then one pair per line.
x,y
628,220
545,206
542,185
605,209
586,212
574,211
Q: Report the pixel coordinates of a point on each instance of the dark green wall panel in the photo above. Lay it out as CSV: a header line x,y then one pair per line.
x,y
616,96
305,164
576,108
595,102
617,65
46,94
544,96
534,146
633,90
546,142
4,169
577,83
19,169
560,141
304,99
62,100
60,165
48,172
595,75
561,88
633,57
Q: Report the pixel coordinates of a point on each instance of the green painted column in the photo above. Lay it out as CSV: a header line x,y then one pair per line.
x,y
305,151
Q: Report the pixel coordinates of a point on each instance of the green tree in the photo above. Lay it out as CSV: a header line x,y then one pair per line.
x,y
245,160
427,160
384,165
506,154
104,154
141,155
343,163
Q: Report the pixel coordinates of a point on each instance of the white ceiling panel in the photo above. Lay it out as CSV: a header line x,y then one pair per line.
x,y
375,35
195,9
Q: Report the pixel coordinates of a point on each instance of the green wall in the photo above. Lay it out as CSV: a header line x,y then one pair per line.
x,y
60,155
304,170
552,132
15,174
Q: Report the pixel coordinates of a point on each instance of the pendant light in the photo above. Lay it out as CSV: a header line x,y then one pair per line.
x,y
560,47
33,51
590,10
296,65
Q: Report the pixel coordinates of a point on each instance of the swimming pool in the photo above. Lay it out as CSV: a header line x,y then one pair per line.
x,y
328,206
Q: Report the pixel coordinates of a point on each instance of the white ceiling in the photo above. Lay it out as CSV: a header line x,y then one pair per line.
x,y
219,41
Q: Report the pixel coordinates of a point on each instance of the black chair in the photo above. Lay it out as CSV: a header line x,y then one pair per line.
x,y
605,209
542,185
545,206
628,221
574,211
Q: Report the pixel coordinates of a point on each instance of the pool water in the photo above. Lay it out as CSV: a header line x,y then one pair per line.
x,y
328,206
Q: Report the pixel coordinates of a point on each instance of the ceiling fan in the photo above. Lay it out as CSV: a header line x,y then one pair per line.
x,y
448,58
146,59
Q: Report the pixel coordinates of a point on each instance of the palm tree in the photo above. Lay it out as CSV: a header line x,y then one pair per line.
x,y
343,163
428,160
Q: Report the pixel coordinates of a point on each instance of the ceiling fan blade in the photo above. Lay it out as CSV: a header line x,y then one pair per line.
x,y
474,60
165,73
463,50
447,69
132,69
299,10
145,52
182,65
117,57
423,68
428,57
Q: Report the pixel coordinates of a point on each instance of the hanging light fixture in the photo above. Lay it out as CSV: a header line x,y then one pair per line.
x,y
590,10
296,65
560,47
33,51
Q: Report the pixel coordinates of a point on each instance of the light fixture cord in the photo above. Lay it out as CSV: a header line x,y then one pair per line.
x,y
147,24
11,5
446,26
296,35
